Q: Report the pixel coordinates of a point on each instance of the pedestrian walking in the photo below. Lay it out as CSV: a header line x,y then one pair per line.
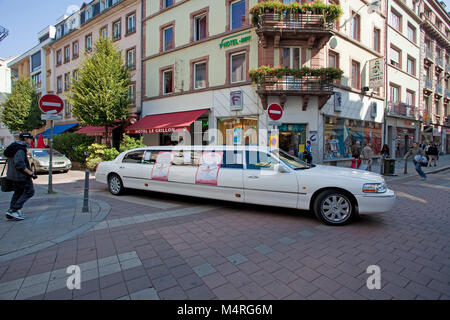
x,y
419,158
356,154
433,154
366,157
19,171
308,152
384,153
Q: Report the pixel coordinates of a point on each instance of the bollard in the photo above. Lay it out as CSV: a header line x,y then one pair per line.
x,y
382,165
405,169
86,192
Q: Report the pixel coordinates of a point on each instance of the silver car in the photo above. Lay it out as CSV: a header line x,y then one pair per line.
x,y
40,158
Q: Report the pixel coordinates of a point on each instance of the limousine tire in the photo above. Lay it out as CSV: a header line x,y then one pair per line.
x,y
115,184
334,207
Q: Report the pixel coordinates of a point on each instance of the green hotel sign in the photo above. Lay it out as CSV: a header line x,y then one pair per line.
x,y
235,40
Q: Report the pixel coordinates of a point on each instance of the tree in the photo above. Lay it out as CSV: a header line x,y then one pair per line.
x,y
129,143
21,111
100,95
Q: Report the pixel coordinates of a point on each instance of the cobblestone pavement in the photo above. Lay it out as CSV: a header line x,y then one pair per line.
x,y
152,247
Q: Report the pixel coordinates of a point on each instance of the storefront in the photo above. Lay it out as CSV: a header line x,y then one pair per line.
x,y
403,140
340,134
237,130
293,138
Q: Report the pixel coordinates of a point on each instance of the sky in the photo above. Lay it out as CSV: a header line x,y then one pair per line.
x,y
25,18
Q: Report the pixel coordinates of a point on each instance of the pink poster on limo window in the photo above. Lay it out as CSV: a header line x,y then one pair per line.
x,y
162,166
208,170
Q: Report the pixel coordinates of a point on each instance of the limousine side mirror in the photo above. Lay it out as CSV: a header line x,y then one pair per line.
x,y
282,169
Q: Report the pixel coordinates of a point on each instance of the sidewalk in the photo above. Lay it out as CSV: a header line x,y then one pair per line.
x,y
442,164
49,219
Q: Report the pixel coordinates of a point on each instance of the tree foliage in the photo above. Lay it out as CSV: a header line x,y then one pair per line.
x,y
129,143
73,145
100,95
21,111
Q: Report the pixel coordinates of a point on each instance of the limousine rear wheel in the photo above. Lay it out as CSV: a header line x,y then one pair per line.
x,y
334,207
115,185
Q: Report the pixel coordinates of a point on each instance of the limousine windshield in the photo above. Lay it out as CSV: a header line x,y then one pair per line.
x,y
291,161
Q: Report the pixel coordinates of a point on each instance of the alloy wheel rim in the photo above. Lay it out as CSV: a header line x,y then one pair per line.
x,y
336,208
115,185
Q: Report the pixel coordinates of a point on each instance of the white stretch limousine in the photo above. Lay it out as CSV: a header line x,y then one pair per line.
x,y
258,175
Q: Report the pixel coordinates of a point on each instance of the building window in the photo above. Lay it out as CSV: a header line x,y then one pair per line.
x,y
411,33
168,39
237,15
66,54
238,67
200,75
356,26
200,27
291,58
167,81
410,98
67,81
37,79
116,30
131,59
59,57
333,61
411,67
88,42
67,109
75,74
376,39
59,84
356,75
131,23
395,57
132,93
36,61
75,50
104,32
394,94
167,3
396,21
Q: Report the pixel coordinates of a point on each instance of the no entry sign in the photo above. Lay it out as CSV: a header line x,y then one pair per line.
x,y
275,111
51,104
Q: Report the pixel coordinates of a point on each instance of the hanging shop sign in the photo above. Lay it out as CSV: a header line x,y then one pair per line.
x,y
236,101
337,101
376,73
235,40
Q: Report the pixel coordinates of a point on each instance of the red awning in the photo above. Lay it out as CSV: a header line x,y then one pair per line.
x,y
166,122
95,131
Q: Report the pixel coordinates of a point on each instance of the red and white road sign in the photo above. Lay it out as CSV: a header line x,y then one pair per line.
x,y
51,104
275,111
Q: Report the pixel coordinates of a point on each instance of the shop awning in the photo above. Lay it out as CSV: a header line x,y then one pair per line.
x,y
166,122
95,131
57,130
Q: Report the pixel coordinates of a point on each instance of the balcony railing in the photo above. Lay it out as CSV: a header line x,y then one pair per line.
x,y
292,22
402,109
429,54
440,62
295,86
428,84
439,89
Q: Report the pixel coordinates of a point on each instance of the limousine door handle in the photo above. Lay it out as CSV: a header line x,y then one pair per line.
x,y
121,167
253,177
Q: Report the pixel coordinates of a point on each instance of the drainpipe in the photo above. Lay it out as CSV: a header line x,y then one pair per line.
x,y
386,90
419,127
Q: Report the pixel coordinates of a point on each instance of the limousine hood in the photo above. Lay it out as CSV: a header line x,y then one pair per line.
x,y
339,172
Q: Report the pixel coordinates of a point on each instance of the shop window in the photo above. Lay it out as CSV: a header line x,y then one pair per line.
x,y
293,139
341,134
238,67
237,131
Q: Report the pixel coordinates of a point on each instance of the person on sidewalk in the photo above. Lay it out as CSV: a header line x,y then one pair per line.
x,y
19,171
414,152
366,157
433,153
356,154
308,152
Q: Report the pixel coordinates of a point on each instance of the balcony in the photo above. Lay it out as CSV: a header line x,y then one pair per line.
x,y
428,84
439,63
402,110
438,89
429,56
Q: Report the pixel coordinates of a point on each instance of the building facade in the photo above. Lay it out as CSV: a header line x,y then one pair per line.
x,y
435,67
402,126
118,20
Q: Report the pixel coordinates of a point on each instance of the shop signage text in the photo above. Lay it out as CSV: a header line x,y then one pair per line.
x,y
236,100
376,73
157,130
234,40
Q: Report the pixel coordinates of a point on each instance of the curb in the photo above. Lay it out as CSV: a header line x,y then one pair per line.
x,y
390,178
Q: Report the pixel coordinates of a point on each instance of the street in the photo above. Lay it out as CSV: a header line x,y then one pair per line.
x,y
159,246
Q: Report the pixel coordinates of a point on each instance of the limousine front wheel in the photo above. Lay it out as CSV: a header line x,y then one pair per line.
x,y
115,185
334,207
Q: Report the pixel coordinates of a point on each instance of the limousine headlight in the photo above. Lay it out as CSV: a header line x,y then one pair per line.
x,y
374,188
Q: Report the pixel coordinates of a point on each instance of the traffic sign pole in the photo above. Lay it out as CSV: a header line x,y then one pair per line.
x,y
50,164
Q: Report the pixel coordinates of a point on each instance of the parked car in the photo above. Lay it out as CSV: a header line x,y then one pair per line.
x,y
40,158
256,175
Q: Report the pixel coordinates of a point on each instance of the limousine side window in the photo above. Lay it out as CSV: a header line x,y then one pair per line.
x,y
134,157
232,159
260,160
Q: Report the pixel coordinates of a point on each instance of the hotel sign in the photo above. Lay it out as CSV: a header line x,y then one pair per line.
x,y
235,40
376,73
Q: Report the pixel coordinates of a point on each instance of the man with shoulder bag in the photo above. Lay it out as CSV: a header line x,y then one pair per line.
x,y
19,171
